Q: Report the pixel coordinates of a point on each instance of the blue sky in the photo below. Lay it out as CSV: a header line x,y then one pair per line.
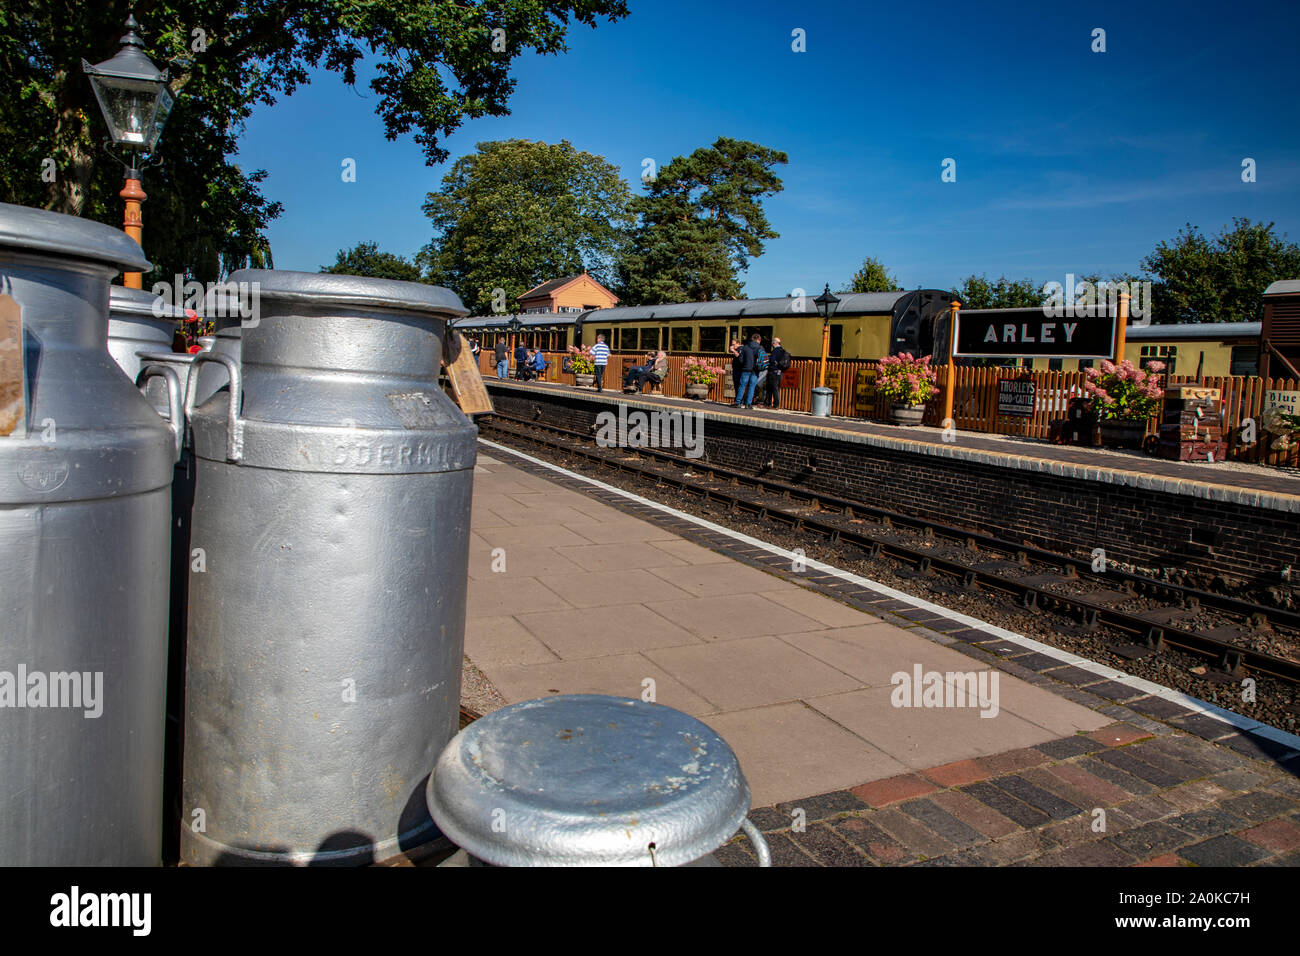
x,y
1066,160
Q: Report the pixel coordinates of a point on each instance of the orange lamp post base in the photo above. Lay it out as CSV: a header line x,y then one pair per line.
x,y
133,223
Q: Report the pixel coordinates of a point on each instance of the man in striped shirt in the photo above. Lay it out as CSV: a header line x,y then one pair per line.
x,y
600,355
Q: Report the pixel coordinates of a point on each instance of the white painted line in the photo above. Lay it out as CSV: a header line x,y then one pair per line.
x,y
1137,683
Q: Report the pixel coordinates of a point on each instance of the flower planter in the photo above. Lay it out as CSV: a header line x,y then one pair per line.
x,y
585,381
1122,433
697,391
907,414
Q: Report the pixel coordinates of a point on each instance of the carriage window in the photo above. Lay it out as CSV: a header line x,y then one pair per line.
x,y
681,340
1244,361
837,341
649,339
713,338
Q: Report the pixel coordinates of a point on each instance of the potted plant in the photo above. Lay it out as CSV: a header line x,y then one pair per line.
x,y
1124,398
700,376
1282,426
582,365
908,383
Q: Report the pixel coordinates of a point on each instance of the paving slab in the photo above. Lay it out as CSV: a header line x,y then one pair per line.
x,y
586,632
783,746
750,672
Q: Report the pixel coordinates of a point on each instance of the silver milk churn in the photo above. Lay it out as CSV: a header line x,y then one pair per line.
x,y
590,780
139,321
141,328
228,310
327,595
85,502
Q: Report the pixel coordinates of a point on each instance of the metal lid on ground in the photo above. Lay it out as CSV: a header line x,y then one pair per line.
x,y
588,780
52,233
326,288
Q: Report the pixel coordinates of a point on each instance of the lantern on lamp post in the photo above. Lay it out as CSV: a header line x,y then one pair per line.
x,y
827,303
135,100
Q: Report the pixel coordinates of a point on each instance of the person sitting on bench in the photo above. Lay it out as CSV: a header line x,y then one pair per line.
x,y
656,371
538,364
632,378
525,369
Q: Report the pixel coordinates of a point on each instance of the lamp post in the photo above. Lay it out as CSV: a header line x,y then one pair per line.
x,y
514,325
134,98
827,303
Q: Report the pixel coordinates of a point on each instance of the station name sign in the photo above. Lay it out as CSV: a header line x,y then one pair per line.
x,y
1015,333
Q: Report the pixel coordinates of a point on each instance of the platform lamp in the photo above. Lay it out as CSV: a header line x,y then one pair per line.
x,y
827,303
514,325
135,100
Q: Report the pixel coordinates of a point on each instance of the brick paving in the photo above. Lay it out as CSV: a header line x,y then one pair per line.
x,y
1042,806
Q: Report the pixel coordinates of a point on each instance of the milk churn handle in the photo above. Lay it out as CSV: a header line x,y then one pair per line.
x,y
759,844
175,407
234,424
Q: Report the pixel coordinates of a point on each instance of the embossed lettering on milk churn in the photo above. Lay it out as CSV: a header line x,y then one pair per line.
x,y
326,631
85,500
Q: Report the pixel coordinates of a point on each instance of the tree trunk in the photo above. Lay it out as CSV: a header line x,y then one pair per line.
x,y
68,193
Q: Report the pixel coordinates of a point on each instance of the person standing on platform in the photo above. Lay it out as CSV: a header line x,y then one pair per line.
x,y
501,352
735,367
600,356
779,362
521,359
748,371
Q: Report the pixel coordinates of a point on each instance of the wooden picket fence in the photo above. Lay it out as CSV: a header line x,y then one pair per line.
x,y
975,396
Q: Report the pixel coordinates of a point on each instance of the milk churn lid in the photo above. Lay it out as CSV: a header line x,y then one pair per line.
x,y
588,780
328,288
22,227
141,304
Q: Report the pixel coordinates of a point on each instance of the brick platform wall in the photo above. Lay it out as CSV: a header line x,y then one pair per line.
x,y
1197,539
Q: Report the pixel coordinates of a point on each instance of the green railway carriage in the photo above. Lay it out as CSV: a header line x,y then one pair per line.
x,y
865,325
873,324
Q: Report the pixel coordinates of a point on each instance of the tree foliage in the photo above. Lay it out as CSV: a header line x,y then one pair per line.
x,y
700,224
517,213
1197,279
873,277
977,292
435,63
366,259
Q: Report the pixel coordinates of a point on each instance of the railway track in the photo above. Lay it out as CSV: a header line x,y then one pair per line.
x,y
1146,614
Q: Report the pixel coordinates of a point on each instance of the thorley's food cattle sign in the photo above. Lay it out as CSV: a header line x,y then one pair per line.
x,y
997,333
